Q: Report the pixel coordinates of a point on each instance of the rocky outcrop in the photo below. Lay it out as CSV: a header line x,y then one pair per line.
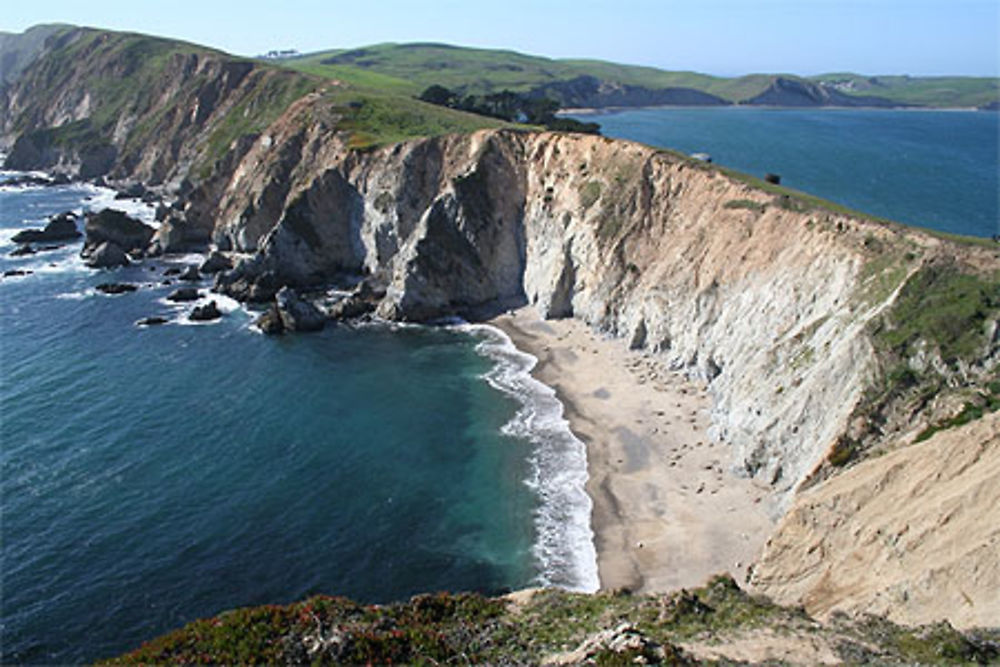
x,y
206,313
184,294
106,255
113,226
61,227
215,263
296,313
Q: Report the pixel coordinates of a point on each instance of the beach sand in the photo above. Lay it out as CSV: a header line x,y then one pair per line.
x,y
668,511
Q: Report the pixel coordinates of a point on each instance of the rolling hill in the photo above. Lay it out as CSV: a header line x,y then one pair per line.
x,y
410,68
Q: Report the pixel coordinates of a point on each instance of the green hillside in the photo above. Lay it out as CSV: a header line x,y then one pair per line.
x,y
410,68
956,91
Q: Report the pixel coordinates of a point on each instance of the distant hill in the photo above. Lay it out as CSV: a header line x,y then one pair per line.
x,y
594,83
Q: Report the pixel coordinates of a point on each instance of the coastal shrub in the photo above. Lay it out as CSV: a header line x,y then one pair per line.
x,y
842,453
944,306
971,411
590,192
747,204
793,204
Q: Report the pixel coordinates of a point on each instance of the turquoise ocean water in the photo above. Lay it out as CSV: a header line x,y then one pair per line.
x,y
151,476
935,169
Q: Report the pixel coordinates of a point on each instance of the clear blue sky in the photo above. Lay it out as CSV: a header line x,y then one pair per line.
x,y
724,37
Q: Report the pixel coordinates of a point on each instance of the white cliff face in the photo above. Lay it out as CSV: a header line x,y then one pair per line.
x,y
767,304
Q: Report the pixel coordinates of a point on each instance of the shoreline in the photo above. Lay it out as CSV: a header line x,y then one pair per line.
x,y
603,111
668,512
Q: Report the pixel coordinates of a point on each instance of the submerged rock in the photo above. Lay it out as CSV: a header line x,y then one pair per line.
x,y
107,255
205,313
116,288
151,321
22,250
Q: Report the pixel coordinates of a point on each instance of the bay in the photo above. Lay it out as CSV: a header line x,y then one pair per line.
x,y
927,168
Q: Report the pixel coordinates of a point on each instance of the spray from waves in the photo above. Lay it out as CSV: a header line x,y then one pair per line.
x,y
101,198
565,542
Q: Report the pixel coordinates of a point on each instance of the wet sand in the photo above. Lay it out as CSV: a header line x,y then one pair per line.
x,y
668,510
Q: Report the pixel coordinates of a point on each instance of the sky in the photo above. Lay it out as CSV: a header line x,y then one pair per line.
x,y
722,37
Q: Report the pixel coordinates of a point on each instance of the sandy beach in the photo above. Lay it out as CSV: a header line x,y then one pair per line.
x,y
668,510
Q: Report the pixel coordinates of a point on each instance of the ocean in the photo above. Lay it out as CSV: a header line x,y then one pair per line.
x,y
155,475
150,476
927,168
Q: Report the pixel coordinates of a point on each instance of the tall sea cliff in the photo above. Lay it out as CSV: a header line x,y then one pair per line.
x,y
824,336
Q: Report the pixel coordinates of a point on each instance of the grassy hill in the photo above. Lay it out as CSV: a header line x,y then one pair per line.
x,y
86,92
410,68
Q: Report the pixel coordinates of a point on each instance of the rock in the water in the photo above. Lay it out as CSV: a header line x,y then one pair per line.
x,y
28,180
116,288
22,250
205,313
270,322
107,255
151,321
290,312
183,294
298,314
116,227
176,235
351,307
216,262
190,274
15,272
132,191
248,288
61,227
172,271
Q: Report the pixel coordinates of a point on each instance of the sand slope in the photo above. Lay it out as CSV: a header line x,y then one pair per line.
x,y
913,535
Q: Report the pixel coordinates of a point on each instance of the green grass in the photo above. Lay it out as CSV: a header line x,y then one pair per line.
x,y
957,91
375,119
590,192
971,411
747,204
945,307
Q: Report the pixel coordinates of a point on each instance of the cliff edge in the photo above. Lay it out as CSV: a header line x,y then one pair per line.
x,y
824,337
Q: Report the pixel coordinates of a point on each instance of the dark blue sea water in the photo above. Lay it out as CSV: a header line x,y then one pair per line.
x,y
151,476
936,169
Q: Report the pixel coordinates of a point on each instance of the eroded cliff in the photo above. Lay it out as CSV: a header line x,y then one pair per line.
x,y
823,336
774,302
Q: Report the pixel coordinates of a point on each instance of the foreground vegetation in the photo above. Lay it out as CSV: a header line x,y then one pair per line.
x,y
607,629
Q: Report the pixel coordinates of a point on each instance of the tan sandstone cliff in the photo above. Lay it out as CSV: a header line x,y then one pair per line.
x,y
781,304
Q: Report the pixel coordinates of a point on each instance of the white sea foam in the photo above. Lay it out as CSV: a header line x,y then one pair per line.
x,y
102,198
565,542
